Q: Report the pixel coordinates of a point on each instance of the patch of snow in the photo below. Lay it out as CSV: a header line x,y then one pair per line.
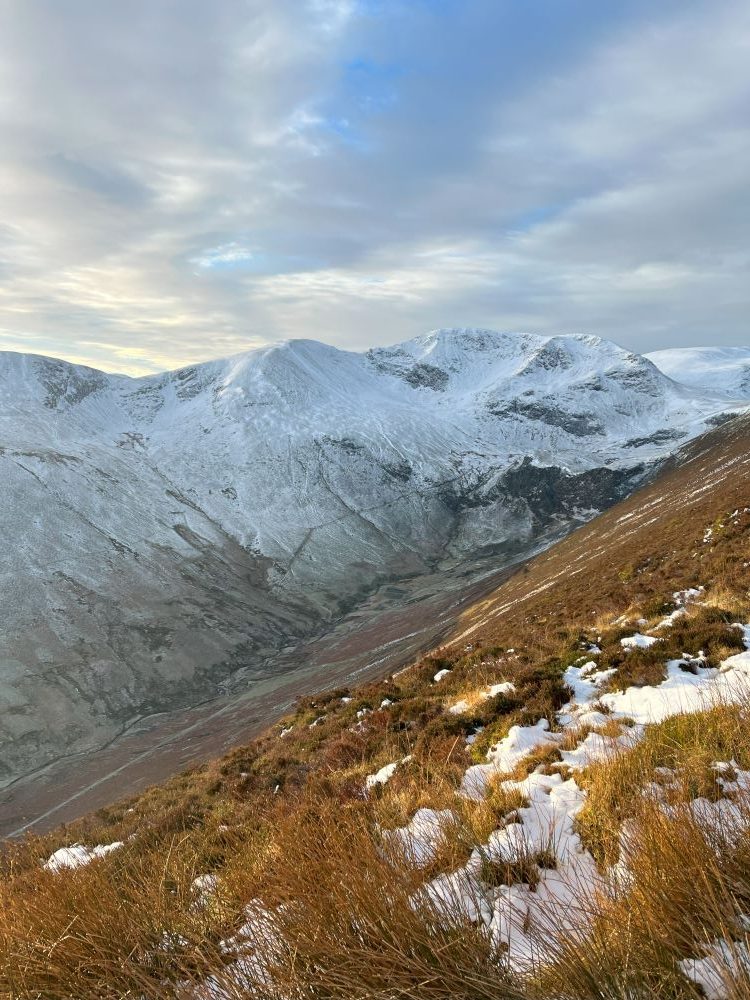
x,y
506,687
457,896
420,840
584,682
253,946
745,629
381,777
683,597
78,855
205,884
638,641
384,775
671,618
521,920
597,747
731,778
546,824
726,962
505,756
683,691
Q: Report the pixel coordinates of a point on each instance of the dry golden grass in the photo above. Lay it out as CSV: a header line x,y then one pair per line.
x,y
684,886
345,909
687,745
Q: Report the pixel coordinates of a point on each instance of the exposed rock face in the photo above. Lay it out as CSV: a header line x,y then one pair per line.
x,y
163,536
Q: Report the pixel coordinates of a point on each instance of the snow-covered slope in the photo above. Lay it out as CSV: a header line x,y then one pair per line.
x,y
164,535
714,369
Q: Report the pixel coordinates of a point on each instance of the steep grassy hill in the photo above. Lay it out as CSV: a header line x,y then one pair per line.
x,y
556,804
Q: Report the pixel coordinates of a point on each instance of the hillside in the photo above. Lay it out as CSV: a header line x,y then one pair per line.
x,y
172,539
556,803
725,369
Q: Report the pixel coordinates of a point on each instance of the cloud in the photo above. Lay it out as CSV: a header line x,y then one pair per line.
x,y
182,180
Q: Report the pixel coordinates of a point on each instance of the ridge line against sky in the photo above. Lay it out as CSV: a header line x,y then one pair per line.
x,y
181,181
363,352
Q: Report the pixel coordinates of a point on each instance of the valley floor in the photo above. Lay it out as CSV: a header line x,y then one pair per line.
x,y
387,631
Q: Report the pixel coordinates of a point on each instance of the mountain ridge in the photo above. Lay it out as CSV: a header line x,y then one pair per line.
x,y
669,357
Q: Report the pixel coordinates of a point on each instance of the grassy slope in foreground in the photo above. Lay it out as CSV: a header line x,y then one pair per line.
x,y
272,872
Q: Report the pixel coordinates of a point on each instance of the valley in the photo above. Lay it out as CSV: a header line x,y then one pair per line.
x,y
385,632
200,545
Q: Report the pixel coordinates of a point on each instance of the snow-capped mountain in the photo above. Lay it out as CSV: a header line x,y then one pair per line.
x,y
163,536
714,369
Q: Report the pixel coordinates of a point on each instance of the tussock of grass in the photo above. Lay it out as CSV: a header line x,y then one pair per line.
x,y
686,886
687,745
348,924
122,926
525,870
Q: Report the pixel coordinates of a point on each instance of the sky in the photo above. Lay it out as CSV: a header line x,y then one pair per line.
x,y
182,180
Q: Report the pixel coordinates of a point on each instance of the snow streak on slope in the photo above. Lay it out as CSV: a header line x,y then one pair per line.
x,y
165,535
